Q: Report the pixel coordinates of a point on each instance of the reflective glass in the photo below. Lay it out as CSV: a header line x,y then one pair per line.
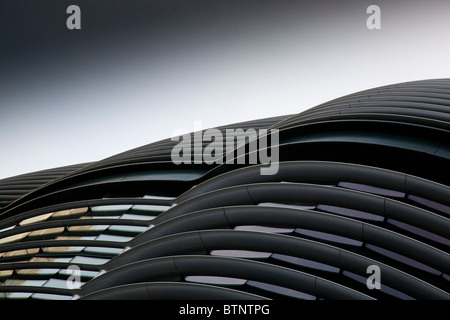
x,y
48,296
371,189
15,237
305,263
88,260
350,213
384,288
430,204
241,254
328,237
265,229
419,231
216,280
281,290
39,218
403,259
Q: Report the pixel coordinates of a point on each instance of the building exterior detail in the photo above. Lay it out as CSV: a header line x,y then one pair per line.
x,y
363,180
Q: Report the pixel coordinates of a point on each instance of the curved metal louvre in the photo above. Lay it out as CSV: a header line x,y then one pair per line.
x,y
14,187
309,231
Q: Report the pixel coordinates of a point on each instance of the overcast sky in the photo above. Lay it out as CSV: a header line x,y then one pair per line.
x,y
138,70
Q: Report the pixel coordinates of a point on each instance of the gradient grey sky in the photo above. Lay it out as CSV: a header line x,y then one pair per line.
x,y
139,70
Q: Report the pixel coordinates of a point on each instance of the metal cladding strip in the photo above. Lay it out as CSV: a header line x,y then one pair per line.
x,y
414,120
415,123
229,217
440,114
148,153
202,242
58,188
175,268
438,100
25,183
388,105
326,172
316,194
148,150
420,86
384,140
170,291
35,289
406,94
410,117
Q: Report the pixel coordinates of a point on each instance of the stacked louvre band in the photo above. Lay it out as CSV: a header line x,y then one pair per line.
x,y
363,180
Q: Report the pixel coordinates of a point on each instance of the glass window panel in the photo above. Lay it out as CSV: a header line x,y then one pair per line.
x,y
5,273
56,283
15,237
68,249
280,290
430,204
39,218
241,254
124,228
384,288
371,189
101,217
111,208
88,260
419,231
114,251
350,213
70,212
18,295
216,280
62,249
150,208
7,228
46,232
403,259
79,210
86,228
265,229
282,205
37,271
48,296
76,238
305,263
21,252
328,237
137,217
29,283
108,237
83,273
47,259
150,196
178,175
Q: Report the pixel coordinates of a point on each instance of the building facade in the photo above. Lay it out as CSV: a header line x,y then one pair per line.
x,y
358,209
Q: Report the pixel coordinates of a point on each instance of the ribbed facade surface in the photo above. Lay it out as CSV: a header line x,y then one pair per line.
x,y
363,181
